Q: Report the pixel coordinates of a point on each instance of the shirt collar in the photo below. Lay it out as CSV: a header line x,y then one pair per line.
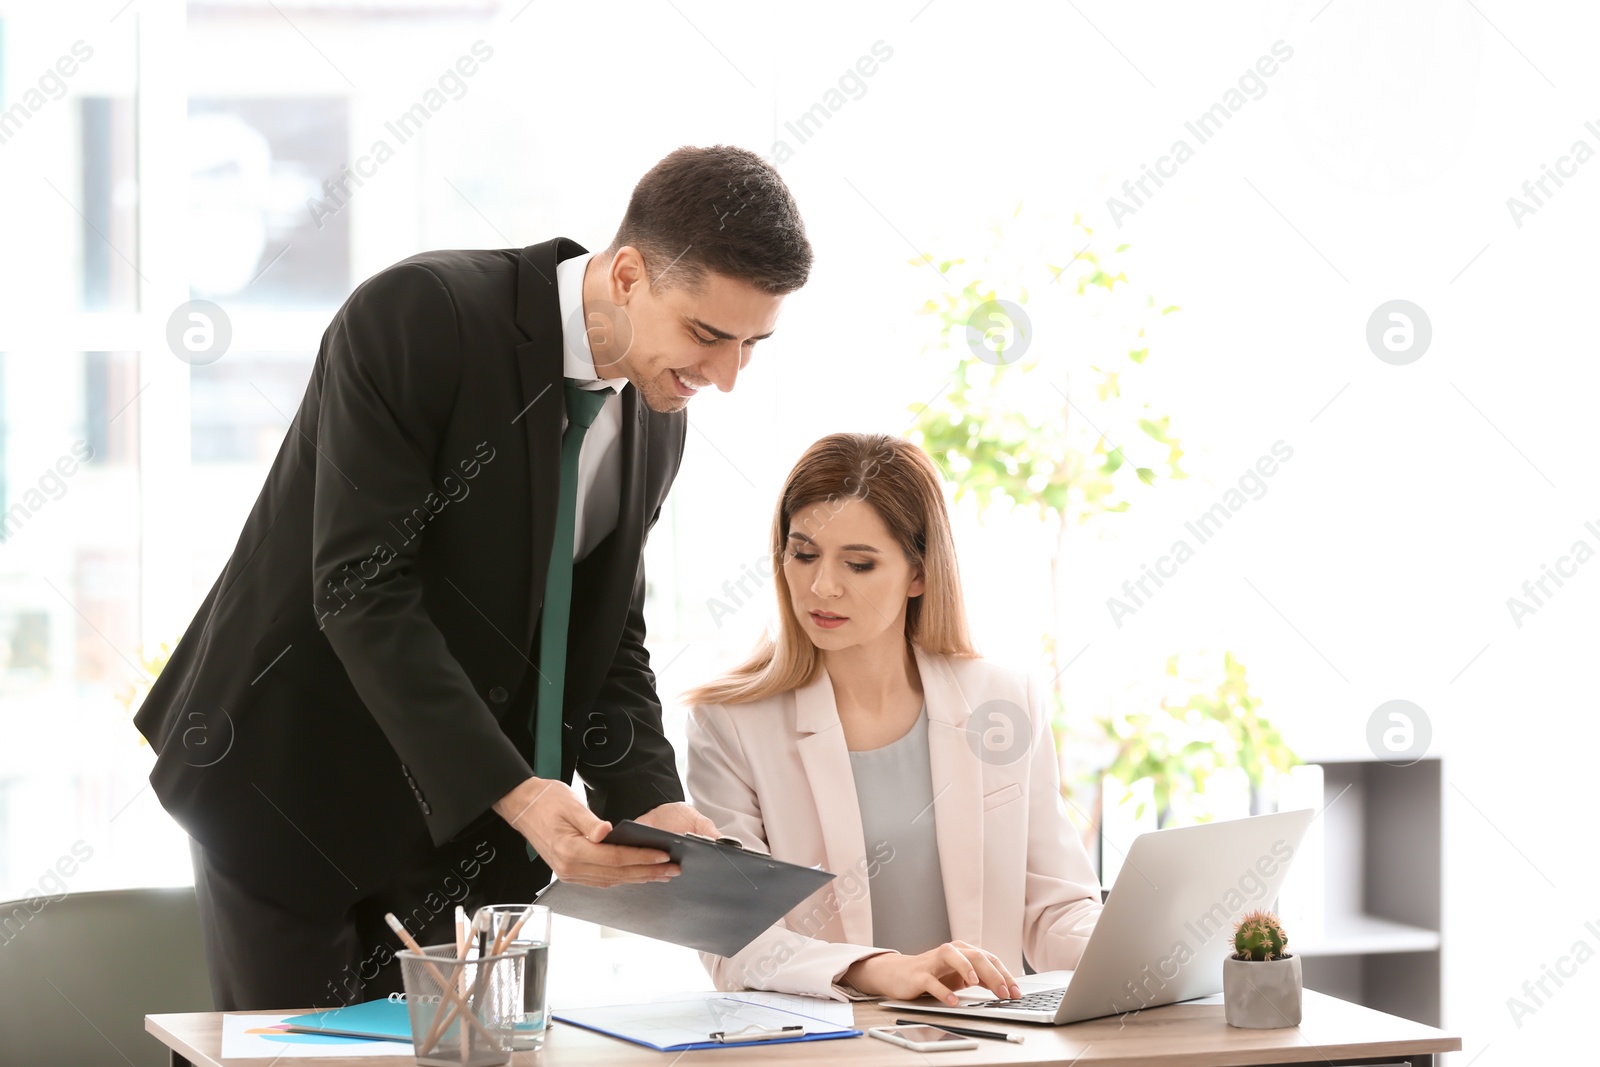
x,y
577,359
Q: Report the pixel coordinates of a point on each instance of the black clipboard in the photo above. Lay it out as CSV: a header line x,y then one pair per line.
x,y
724,898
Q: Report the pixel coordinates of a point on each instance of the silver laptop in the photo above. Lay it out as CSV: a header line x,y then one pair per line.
x,y
1166,926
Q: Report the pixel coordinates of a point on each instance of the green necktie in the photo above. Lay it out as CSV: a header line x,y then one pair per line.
x,y
545,723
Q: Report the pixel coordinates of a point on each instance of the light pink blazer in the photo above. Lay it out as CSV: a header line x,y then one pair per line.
x,y
776,774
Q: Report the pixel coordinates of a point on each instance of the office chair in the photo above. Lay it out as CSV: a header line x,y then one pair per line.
x,y
78,976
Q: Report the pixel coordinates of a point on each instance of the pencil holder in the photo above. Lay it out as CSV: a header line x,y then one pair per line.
x,y
463,1011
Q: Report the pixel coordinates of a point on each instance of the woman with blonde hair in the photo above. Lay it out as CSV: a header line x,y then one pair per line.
x,y
868,736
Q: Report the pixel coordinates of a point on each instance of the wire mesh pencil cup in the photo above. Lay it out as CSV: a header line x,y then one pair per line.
x,y
438,986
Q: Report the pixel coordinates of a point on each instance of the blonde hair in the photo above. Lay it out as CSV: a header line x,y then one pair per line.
x,y
901,484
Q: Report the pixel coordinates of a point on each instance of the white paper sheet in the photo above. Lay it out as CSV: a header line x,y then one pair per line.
x,y
838,1012
253,1036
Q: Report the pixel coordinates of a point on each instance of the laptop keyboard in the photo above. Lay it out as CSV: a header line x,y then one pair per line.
x,y
1046,1000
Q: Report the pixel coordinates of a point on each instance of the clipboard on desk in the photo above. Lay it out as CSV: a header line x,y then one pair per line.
x,y
724,898
714,1020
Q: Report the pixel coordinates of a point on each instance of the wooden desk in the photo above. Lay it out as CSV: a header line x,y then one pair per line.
x,y
1192,1034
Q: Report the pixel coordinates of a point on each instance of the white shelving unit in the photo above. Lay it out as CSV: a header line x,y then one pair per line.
x,y
1368,935
1367,926
1382,870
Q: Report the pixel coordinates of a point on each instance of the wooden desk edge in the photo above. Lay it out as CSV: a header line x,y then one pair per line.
x,y
1428,1041
156,1026
175,1030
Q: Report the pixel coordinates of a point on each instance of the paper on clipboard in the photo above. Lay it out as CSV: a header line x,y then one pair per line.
x,y
841,1013
689,1022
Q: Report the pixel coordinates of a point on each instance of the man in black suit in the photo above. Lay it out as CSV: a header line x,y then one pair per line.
x,y
348,727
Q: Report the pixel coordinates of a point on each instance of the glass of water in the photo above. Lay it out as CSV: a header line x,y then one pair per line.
x,y
497,923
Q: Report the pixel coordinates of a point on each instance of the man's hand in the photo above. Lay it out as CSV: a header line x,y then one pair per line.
x,y
567,836
679,818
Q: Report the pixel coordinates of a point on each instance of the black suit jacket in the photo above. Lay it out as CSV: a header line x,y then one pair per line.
x,y
355,689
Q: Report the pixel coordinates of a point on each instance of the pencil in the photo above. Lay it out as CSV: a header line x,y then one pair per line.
x,y
464,935
501,941
444,986
461,973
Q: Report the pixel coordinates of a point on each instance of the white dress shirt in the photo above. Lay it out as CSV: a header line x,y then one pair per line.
x,y
600,461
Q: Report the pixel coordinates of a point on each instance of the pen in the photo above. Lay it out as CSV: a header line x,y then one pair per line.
x,y
726,1038
992,1035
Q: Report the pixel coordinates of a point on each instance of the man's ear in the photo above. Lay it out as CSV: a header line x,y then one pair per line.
x,y
626,276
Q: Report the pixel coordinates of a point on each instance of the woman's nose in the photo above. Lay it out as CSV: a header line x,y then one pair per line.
x,y
825,585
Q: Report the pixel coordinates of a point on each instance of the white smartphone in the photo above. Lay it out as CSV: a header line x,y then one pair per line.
x,y
922,1038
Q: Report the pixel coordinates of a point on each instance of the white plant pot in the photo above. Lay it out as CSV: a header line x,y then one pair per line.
x,y
1261,995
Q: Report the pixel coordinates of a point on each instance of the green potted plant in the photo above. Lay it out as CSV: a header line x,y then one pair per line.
x,y
1188,739
1261,981
1049,407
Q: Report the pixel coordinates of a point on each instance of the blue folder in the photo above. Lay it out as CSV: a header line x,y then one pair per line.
x,y
376,1020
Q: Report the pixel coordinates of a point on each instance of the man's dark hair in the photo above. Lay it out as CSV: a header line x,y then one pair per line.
x,y
721,210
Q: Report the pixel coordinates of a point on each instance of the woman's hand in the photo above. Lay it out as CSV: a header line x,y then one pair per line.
x,y
938,972
680,818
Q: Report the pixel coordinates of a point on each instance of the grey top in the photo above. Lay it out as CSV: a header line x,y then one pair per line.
x,y
894,787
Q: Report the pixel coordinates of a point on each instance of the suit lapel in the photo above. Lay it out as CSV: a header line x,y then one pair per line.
x,y
833,789
958,797
542,409
543,403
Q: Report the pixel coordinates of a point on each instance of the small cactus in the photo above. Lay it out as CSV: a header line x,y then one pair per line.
x,y
1260,937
